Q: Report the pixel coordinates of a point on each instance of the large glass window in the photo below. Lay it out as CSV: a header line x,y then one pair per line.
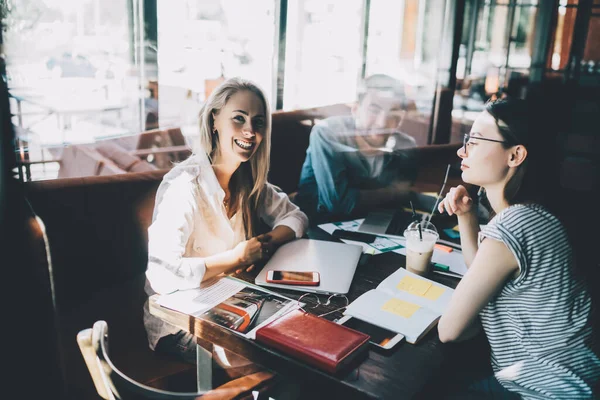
x,y
404,41
84,72
495,54
323,57
73,76
202,42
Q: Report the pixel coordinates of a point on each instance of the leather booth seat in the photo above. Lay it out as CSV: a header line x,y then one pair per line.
x,y
97,234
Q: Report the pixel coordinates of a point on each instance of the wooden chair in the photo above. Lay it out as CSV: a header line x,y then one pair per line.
x,y
113,384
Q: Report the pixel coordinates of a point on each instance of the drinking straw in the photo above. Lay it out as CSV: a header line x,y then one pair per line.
x,y
415,218
439,194
414,214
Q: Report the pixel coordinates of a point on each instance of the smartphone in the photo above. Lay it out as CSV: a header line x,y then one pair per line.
x,y
380,337
305,278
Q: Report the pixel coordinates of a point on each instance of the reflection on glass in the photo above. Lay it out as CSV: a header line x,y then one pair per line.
x,y
71,76
522,37
565,25
203,42
404,41
360,161
591,52
323,52
495,63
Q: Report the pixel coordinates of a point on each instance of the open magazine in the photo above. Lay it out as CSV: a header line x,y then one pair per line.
x,y
231,303
403,302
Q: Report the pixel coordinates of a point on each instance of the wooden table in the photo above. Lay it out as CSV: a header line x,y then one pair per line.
x,y
406,371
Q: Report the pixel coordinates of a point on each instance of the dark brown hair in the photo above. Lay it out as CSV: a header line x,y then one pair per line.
x,y
533,125
519,124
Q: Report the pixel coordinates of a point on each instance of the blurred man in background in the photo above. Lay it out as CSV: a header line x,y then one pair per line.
x,y
357,162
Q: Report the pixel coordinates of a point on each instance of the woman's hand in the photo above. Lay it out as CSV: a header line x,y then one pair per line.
x,y
457,201
258,248
268,245
249,252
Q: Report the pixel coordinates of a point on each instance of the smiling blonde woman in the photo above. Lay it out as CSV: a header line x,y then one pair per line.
x,y
208,208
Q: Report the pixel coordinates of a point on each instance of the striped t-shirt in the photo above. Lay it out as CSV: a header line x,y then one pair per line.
x,y
537,325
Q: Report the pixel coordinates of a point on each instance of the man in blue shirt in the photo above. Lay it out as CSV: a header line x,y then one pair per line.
x,y
355,163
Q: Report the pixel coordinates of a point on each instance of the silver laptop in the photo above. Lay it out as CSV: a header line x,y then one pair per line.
x,y
385,222
335,262
394,222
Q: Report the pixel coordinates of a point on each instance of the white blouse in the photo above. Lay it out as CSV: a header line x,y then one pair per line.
x,y
190,223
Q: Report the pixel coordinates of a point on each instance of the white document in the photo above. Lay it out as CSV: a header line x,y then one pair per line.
x,y
381,245
231,303
405,303
196,301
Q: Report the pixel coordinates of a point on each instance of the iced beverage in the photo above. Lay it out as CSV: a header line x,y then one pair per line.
x,y
419,247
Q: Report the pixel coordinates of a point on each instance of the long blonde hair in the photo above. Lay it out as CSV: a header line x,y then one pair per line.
x,y
247,183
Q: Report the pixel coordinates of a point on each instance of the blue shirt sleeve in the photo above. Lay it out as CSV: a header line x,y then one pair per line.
x,y
330,171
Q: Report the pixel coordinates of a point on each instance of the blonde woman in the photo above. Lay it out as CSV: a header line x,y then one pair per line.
x,y
208,207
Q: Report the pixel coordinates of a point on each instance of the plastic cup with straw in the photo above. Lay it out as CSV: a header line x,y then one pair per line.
x,y
421,237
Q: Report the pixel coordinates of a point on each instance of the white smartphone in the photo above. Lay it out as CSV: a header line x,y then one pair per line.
x,y
380,337
304,278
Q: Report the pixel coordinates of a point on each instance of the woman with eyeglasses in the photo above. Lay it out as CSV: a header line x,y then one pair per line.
x,y
535,311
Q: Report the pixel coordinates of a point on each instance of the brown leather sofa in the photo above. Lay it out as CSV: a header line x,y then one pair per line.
x,y
96,229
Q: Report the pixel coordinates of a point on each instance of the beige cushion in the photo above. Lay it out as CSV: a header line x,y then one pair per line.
x,y
117,154
109,168
78,161
81,160
122,158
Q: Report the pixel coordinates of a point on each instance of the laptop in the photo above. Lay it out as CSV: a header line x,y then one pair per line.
x,y
394,222
386,222
335,262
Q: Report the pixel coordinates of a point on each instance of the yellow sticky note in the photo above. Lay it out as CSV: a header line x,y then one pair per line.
x,y
434,292
414,286
400,307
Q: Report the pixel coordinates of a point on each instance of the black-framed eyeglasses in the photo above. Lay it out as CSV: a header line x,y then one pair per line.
x,y
468,137
313,298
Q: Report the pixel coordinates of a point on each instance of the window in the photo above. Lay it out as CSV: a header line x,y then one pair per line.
x,y
404,41
323,52
84,72
73,76
213,40
495,54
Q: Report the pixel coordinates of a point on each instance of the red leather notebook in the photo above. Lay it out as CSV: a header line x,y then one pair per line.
x,y
316,341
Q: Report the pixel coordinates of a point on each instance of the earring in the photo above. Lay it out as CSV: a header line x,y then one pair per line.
x,y
215,131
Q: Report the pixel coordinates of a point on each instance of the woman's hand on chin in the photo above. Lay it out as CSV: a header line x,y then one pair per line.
x,y
457,201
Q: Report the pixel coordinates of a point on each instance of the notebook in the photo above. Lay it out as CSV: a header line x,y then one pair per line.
x,y
335,262
403,302
316,341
